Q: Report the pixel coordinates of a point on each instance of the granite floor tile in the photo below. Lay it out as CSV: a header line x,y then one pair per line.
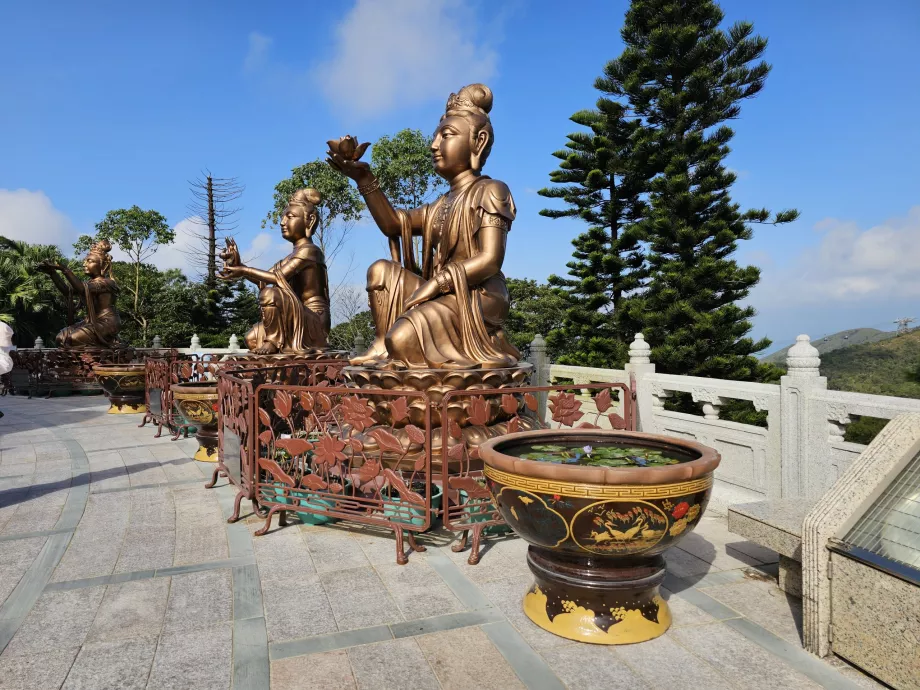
x,y
332,551
395,665
282,555
88,557
116,665
15,558
359,598
36,671
765,604
326,671
296,608
131,609
665,665
466,659
683,613
199,600
742,662
418,590
193,660
58,621
588,667
146,548
508,596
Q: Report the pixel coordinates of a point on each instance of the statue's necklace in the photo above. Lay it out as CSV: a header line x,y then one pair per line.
x,y
445,212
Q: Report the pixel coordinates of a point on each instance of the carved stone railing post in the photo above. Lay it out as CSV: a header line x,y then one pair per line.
x,y
39,343
359,346
804,465
196,343
157,342
639,367
540,361
234,343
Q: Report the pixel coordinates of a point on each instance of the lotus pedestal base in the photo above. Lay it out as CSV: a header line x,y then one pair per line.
x,y
587,600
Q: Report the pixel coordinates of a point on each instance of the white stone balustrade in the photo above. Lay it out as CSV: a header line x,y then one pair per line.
x,y
800,453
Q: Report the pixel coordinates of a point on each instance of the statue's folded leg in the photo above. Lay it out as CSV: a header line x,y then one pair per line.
x,y
389,286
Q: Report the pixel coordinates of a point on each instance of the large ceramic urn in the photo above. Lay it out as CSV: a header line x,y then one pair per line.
x,y
196,401
598,509
123,385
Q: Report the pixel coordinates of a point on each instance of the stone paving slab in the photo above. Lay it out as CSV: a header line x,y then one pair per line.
x,y
118,570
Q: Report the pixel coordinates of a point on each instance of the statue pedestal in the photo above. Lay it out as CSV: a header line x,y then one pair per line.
x,y
468,418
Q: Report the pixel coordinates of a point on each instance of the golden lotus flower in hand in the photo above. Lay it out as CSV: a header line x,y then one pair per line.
x,y
230,255
348,147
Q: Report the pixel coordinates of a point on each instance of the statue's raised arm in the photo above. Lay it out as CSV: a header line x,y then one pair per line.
x,y
449,312
294,293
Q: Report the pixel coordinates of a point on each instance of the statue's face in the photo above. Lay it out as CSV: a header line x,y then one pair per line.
x,y
92,265
451,147
293,223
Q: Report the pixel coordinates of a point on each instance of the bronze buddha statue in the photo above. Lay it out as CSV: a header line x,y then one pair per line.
x,y
294,293
98,295
449,312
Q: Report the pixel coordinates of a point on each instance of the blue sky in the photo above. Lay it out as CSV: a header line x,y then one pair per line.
x,y
111,104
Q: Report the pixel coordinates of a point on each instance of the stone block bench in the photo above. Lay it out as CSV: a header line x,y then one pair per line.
x,y
775,525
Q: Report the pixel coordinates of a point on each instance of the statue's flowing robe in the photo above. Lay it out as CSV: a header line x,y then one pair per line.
x,y
100,327
463,328
295,325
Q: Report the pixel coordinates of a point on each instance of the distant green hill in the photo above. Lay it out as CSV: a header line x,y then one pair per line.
x,y
876,367
837,341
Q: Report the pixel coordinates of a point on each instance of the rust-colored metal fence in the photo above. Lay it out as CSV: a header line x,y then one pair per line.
x,y
238,417
392,458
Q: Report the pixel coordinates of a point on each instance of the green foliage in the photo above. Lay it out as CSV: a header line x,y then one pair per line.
x,y
879,368
535,308
342,335
600,184
341,204
403,167
29,302
683,78
139,234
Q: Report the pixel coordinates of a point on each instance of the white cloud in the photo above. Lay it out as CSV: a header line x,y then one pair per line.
x,y
403,52
257,55
31,217
851,265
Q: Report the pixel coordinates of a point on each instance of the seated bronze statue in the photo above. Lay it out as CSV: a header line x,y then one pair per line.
x,y
294,293
448,312
102,323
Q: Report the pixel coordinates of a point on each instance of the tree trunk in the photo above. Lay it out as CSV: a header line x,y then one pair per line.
x,y
212,238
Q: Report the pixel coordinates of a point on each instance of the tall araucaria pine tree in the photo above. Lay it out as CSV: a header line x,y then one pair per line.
x,y
597,181
684,77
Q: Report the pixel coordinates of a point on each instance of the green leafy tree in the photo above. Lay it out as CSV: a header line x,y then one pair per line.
x,y
29,302
340,208
138,233
342,336
601,184
405,171
683,78
403,166
535,308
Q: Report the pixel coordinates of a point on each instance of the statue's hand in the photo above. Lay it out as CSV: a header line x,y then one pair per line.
x,y
232,272
345,156
230,255
426,292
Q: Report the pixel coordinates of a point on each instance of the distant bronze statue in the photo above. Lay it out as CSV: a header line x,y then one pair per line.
x,y
448,312
294,293
102,323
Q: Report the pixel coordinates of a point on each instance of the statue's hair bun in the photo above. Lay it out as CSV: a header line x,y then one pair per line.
x,y
306,195
479,94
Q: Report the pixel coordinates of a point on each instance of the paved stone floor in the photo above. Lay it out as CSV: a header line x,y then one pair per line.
x,y
118,570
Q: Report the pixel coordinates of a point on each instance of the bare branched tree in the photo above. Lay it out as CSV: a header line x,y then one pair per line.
x,y
213,209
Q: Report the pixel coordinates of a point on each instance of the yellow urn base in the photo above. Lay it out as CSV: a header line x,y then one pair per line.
x,y
128,409
581,624
206,455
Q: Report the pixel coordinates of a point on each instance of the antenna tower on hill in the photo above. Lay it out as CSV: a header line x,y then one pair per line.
x,y
904,324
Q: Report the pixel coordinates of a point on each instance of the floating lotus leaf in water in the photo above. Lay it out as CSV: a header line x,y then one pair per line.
x,y
599,456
